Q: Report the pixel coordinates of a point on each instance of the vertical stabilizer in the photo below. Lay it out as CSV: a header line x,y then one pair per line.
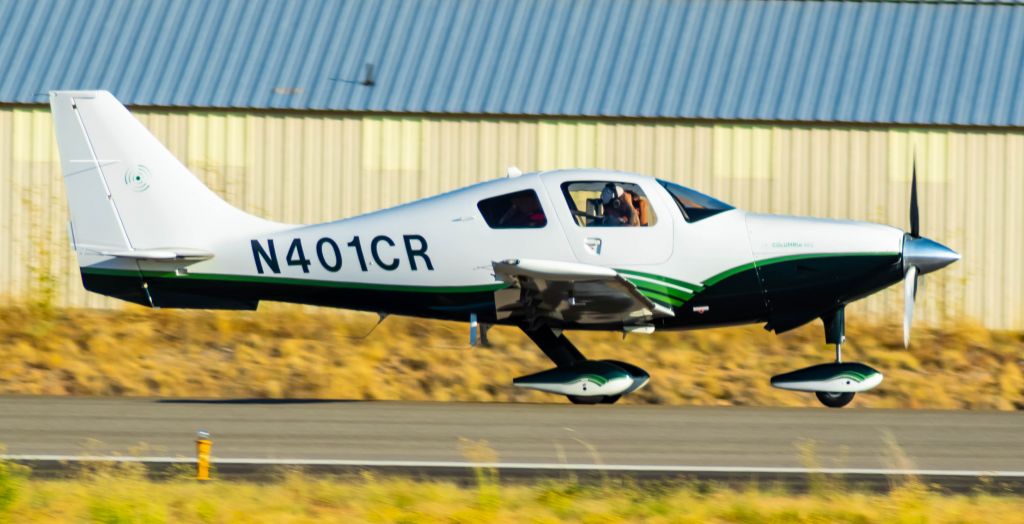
x,y
126,191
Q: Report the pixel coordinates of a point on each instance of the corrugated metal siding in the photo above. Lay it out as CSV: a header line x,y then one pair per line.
x,y
296,168
881,62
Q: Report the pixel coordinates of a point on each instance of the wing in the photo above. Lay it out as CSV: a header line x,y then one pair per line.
x,y
571,292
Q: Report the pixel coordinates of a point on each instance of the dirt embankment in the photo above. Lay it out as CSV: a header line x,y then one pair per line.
x,y
284,351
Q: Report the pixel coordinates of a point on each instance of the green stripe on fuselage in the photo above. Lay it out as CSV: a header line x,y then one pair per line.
x,y
661,293
805,256
658,297
728,273
789,258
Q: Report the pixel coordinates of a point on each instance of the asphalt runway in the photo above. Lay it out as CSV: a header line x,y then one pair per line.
x,y
522,436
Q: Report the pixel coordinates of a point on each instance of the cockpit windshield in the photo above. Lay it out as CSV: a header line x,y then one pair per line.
x,y
693,204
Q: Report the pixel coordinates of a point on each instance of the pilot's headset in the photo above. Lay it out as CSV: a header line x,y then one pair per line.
x,y
611,192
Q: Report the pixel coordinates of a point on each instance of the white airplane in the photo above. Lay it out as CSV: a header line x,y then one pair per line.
x,y
581,249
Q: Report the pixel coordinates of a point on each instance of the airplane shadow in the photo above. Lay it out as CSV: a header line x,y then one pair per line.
x,y
254,401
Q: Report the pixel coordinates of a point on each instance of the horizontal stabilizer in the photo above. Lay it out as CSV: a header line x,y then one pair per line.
x,y
162,254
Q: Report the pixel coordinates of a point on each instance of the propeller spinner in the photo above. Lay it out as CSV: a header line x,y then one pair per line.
x,y
920,256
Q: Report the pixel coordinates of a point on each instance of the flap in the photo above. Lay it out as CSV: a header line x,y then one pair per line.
x,y
571,293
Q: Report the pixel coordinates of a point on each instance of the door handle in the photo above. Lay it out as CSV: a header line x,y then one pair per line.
x,y
593,245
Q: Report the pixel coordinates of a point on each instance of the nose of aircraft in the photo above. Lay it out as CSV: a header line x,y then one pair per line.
x,y
926,254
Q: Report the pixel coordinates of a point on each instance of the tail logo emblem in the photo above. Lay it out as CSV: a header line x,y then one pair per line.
x,y
137,178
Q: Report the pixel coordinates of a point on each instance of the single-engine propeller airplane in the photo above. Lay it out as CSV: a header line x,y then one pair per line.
x,y
578,249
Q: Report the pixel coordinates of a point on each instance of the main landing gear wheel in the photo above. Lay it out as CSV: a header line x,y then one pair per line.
x,y
597,399
834,400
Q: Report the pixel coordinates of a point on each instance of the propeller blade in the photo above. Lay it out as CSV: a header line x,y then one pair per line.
x,y
909,294
915,225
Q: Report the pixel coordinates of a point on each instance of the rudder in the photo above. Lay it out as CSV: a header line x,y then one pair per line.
x,y
126,191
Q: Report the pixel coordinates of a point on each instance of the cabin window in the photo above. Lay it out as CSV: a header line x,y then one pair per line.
x,y
517,210
694,204
608,204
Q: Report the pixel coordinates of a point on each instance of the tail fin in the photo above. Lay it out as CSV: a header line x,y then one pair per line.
x,y
128,195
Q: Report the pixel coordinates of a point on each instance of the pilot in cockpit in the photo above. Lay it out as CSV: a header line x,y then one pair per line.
x,y
618,207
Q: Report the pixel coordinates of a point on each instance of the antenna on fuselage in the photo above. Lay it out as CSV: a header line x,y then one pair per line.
x,y
380,320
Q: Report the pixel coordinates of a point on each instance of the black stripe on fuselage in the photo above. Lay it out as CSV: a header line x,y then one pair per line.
x,y
173,292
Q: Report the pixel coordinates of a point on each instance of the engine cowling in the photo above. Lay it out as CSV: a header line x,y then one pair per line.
x,y
589,378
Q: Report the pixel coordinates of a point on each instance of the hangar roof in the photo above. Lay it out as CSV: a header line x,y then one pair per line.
x,y
952,63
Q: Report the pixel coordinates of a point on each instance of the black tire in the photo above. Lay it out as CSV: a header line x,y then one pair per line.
x,y
834,400
610,399
576,399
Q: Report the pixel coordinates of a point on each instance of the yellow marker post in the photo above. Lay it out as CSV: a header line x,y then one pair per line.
x,y
203,445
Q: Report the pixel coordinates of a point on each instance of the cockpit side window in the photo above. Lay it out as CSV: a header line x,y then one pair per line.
x,y
608,204
694,205
519,210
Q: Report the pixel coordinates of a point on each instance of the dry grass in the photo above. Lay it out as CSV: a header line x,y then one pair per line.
x,y
285,351
126,496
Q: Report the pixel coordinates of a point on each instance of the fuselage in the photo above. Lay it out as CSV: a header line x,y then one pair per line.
x,y
433,258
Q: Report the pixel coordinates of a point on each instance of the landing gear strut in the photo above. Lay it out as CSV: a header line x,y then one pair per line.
x,y
554,344
835,333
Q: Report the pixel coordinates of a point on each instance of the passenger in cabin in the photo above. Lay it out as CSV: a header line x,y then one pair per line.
x,y
618,207
524,212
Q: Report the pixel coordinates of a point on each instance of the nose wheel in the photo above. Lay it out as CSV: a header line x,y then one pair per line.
x,y
605,399
834,400
834,383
